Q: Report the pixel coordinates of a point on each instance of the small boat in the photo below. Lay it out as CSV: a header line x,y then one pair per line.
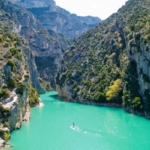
x,y
73,125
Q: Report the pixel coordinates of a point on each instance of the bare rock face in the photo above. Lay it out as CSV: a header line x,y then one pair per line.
x,y
17,106
2,143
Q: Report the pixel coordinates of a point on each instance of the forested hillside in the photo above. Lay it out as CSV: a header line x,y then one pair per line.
x,y
110,63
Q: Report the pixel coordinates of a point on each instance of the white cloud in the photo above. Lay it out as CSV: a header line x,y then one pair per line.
x,y
99,8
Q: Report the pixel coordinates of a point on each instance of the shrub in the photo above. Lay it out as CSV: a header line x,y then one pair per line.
x,y
6,124
4,93
114,90
1,39
4,86
99,97
20,87
4,112
11,36
12,64
8,54
14,51
1,108
12,83
136,103
6,45
33,97
6,136
145,78
26,76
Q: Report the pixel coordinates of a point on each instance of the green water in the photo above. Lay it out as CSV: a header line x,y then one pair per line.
x,y
97,128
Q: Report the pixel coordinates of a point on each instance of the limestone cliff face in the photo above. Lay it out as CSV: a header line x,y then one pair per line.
x,y
110,63
33,70
58,19
64,92
140,53
14,88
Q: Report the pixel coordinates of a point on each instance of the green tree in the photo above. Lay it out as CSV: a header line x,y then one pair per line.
x,y
114,90
12,83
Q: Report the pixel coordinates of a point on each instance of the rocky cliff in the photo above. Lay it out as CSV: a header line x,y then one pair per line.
x,y
17,76
58,19
110,63
46,45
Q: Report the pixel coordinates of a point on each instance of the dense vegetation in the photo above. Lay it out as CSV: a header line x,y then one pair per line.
x,y
33,96
106,64
11,57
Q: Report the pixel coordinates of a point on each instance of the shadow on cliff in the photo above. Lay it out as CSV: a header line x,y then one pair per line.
x,y
55,96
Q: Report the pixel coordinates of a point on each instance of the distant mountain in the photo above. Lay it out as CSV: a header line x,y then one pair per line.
x,y
111,63
58,19
33,3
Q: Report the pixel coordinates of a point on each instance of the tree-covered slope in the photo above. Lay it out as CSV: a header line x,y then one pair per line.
x,y
110,63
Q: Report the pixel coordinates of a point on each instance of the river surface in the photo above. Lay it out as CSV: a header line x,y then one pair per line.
x,y
97,128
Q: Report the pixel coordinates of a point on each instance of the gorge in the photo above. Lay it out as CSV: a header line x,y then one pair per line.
x,y
44,47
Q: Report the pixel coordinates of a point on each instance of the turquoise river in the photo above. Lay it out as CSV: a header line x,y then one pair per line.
x,y
97,128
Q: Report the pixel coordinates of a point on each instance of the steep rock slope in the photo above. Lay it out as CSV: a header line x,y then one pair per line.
x,y
46,46
58,19
16,91
110,63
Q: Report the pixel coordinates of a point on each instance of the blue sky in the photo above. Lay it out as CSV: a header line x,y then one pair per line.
x,y
98,8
